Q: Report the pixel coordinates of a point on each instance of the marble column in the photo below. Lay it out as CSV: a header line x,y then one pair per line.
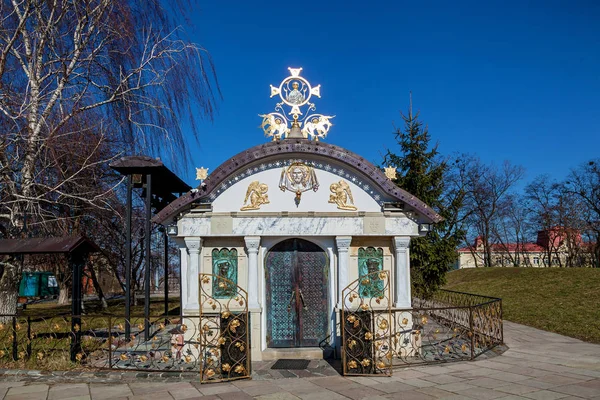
x,y
252,245
342,244
194,245
183,270
402,296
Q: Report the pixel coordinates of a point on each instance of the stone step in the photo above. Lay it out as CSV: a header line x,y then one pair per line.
x,y
306,353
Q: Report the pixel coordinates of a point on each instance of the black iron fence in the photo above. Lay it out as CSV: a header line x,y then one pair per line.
x,y
450,326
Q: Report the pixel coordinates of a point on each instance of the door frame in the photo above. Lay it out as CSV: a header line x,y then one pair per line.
x,y
327,245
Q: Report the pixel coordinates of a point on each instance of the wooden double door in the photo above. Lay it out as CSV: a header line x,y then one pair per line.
x,y
297,282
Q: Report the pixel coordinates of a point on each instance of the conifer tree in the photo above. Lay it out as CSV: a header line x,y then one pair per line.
x,y
422,172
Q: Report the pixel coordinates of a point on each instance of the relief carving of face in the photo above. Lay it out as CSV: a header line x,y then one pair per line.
x,y
297,175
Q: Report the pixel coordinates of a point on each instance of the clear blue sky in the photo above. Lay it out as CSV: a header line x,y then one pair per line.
x,y
516,81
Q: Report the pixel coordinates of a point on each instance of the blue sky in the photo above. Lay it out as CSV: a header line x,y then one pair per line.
x,y
516,81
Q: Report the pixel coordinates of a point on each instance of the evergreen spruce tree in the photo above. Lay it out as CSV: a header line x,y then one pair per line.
x,y
421,172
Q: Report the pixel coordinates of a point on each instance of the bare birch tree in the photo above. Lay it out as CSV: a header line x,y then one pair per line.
x,y
104,77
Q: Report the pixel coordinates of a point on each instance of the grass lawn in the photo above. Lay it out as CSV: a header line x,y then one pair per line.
x,y
561,300
51,326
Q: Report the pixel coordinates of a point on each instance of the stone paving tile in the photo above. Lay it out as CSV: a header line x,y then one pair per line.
x,y
68,391
27,396
435,392
544,395
27,389
578,390
443,379
481,393
152,396
217,388
184,393
11,384
456,386
100,392
489,383
235,396
278,396
516,389
322,394
360,393
260,390
537,384
418,383
409,374
363,380
410,395
559,380
393,387
139,388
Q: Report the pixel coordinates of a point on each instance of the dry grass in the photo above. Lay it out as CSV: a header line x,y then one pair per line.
x,y
561,300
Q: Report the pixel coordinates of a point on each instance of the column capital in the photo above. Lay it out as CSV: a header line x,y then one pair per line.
x,y
193,244
252,243
343,243
401,243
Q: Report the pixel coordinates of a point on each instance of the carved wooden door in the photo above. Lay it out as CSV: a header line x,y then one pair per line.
x,y
297,294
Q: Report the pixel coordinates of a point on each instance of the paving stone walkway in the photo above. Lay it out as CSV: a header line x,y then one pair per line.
x,y
538,365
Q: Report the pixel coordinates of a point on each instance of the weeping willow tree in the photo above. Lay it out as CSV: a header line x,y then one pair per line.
x,y
82,83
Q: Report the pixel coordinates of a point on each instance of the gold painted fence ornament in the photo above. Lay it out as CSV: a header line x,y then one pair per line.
x,y
295,93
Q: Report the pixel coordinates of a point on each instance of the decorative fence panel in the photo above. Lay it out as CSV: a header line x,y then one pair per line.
x,y
450,326
366,323
225,330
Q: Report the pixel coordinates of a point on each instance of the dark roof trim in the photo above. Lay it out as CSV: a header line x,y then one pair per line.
x,y
59,245
295,148
164,181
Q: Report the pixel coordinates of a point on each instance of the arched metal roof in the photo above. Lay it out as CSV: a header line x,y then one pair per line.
x,y
290,148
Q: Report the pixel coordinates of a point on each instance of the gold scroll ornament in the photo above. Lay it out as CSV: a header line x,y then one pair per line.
x,y
256,195
342,196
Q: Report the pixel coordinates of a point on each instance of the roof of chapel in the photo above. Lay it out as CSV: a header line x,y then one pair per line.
x,y
293,148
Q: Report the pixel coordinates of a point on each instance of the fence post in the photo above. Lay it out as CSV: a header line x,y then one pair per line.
x,y
501,324
28,337
472,332
14,341
109,342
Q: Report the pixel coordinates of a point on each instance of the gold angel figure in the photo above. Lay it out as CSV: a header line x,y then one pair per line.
x,y
341,193
256,195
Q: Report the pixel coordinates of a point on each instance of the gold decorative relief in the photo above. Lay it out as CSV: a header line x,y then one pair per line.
x,y
390,173
298,178
201,173
342,196
256,195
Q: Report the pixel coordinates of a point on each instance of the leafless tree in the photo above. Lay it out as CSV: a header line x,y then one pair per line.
x,y
584,183
105,77
488,192
510,230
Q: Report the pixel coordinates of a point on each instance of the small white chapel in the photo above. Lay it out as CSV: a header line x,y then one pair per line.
x,y
293,221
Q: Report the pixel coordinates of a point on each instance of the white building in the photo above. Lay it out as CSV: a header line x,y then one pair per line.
x,y
293,222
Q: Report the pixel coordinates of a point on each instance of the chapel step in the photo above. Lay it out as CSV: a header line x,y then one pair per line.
x,y
306,353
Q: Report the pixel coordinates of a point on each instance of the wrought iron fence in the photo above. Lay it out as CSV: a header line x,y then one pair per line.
x,y
367,329
449,326
99,342
215,342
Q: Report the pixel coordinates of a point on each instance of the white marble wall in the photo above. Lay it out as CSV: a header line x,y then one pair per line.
x,y
299,226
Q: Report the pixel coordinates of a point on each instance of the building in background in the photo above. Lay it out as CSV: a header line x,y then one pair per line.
x,y
554,247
